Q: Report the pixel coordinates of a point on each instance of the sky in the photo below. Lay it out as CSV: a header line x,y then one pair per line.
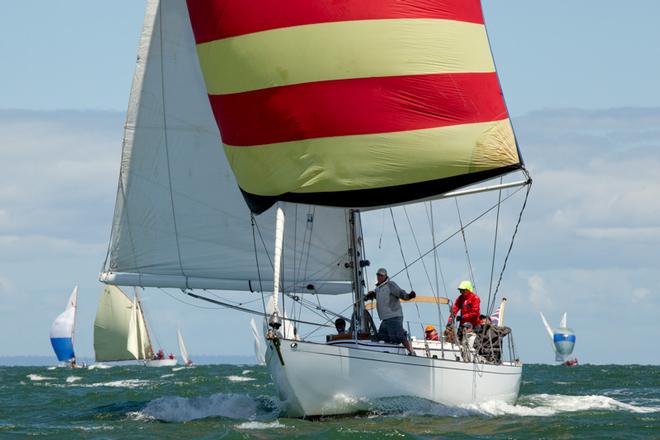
x,y
581,81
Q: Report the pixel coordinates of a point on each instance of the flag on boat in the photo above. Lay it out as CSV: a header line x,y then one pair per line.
x,y
352,102
497,317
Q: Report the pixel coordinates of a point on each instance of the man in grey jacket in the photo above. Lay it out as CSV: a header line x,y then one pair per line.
x,y
387,294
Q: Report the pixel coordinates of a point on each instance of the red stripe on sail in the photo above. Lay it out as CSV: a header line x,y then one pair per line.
x,y
216,19
357,106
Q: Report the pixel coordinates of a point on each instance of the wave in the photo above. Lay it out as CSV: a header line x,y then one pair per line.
x,y
544,405
260,425
99,366
72,379
239,378
229,405
535,405
38,378
126,383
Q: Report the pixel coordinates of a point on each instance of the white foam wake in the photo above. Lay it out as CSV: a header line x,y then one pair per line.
x,y
127,383
72,379
544,405
99,366
233,406
38,378
261,425
239,378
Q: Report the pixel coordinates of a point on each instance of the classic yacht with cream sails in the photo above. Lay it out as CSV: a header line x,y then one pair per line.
x,y
257,135
121,332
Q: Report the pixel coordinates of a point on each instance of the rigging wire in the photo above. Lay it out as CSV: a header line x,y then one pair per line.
x,y
492,263
244,309
450,236
467,252
256,257
508,252
436,261
428,277
403,257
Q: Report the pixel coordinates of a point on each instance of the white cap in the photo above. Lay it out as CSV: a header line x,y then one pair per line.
x,y
382,271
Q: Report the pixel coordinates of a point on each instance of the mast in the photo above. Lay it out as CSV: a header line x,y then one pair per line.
x,y
356,253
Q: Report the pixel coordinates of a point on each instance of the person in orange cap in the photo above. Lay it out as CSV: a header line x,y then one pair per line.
x,y
430,334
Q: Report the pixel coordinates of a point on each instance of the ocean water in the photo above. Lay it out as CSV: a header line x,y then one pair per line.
x,y
229,401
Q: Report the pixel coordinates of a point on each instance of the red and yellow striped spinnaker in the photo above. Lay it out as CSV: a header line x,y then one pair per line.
x,y
353,102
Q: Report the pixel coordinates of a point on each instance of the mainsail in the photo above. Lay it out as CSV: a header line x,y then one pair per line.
x,y
63,328
180,219
120,332
353,103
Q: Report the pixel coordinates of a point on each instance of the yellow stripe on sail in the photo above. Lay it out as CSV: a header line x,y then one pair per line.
x,y
419,299
344,163
342,50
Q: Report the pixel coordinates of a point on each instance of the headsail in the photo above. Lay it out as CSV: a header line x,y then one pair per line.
x,y
182,348
119,329
63,328
362,104
259,349
180,219
138,342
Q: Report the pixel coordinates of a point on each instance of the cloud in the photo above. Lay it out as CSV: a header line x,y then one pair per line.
x,y
587,243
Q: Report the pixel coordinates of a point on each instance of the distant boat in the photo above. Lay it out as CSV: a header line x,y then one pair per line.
x,y
562,339
62,332
182,349
121,332
259,350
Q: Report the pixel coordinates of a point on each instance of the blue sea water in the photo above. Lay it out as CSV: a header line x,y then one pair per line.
x,y
229,401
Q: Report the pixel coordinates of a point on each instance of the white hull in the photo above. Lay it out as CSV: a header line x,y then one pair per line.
x,y
324,379
160,362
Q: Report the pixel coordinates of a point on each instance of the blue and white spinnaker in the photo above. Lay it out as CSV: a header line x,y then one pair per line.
x,y
62,330
562,338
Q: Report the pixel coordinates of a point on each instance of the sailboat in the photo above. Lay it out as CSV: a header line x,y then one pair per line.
x,y
562,339
182,349
256,136
121,332
62,332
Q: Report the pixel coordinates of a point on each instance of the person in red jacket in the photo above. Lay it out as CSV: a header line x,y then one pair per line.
x,y
467,304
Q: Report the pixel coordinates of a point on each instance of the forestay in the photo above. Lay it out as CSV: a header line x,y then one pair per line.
x,y
180,218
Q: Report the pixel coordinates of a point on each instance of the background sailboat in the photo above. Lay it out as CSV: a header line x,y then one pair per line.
x,y
62,331
120,330
562,339
182,349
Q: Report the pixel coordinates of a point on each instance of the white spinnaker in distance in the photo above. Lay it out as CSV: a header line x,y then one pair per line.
x,y
180,219
182,348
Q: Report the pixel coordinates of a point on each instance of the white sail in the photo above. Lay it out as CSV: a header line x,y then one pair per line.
x,y
119,329
63,328
182,348
180,218
138,337
562,323
547,327
259,350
